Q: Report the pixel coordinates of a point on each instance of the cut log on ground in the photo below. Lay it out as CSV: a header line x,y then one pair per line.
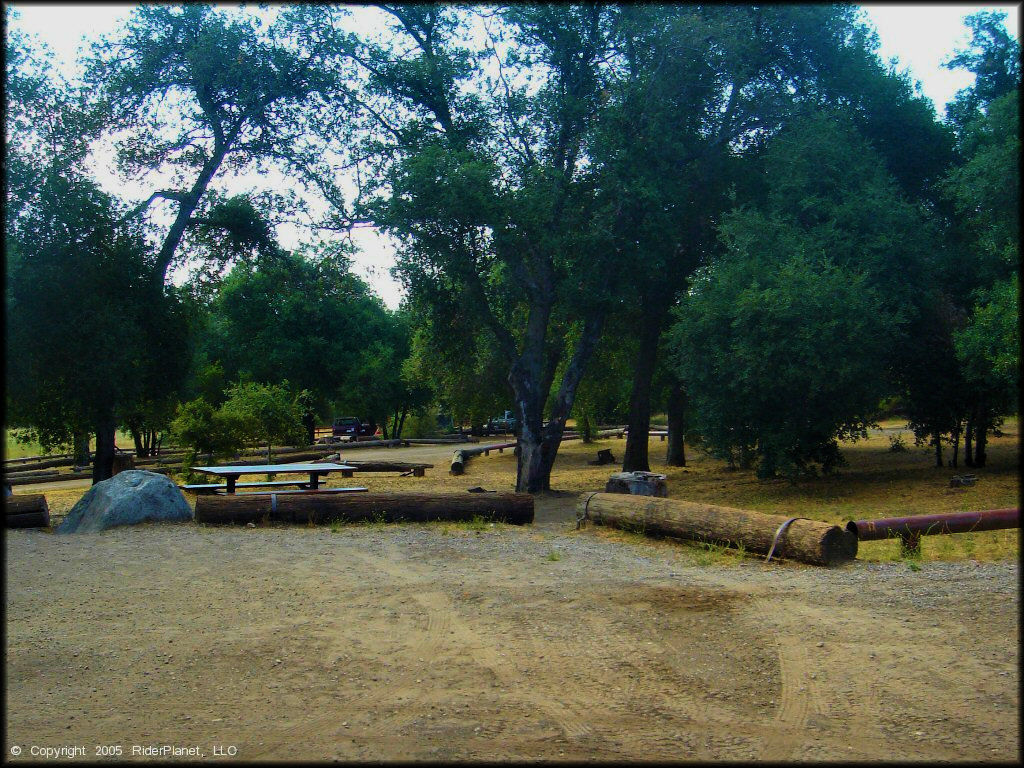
x,y
32,473
809,541
44,464
84,475
638,484
463,455
320,508
384,466
30,511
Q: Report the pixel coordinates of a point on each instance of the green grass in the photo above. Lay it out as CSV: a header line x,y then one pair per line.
x,y
16,450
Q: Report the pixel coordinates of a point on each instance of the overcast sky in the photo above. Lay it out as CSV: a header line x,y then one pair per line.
x,y
920,37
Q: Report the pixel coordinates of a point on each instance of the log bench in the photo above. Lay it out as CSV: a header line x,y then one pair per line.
x,y
403,468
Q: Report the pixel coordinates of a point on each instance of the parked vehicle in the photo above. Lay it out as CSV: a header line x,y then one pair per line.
x,y
504,423
352,427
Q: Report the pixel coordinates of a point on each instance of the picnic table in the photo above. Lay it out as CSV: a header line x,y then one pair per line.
x,y
232,473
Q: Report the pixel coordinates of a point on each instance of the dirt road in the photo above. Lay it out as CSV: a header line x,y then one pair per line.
x,y
438,642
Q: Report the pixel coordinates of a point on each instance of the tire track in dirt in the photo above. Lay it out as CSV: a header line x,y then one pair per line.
x,y
370,697
670,696
797,700
470,642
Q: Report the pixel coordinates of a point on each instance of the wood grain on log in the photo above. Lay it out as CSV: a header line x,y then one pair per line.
x,y
319,508
809,541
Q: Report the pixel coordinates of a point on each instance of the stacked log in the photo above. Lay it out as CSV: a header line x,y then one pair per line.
x,y
463,455
8,474
29,511
43,464
383,466
809,541
319,508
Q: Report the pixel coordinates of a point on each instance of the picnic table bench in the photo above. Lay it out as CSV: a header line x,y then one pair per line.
x,y
233,472
215,487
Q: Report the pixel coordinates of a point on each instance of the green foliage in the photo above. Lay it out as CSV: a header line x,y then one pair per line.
x,y
462,367
251,412
306,314
188,90
993,56
985,193
988,347
91,336
267,413
780,359
204,429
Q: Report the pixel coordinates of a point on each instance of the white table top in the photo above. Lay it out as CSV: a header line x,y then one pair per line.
x,y
272,469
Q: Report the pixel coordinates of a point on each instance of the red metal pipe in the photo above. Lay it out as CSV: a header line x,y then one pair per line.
x,y
927,525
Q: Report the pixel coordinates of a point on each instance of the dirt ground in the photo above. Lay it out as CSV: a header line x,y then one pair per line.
x,y
442,642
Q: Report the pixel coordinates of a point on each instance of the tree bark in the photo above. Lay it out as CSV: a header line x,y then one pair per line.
x,y
103,462
937,441
968,441
80,441
539,442
140,448
186,207
635,458
309,423
401,421
956,444
980,440
676,453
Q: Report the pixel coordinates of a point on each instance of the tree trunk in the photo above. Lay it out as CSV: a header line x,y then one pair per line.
x,y
103,462
81,449
530,477
937,441
635,458
980,440
956,443
140,448
309,423
676,454
968,441
401,422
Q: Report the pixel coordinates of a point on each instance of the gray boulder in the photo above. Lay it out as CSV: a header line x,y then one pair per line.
x,y
129,497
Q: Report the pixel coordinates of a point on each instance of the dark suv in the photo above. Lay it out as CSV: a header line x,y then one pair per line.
x,y
352,427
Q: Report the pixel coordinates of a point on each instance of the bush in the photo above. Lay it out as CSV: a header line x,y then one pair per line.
x,y
780,360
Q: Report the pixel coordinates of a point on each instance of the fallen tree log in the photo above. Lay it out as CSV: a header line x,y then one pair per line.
x,y
50,478
85,474
29,511
319,508
463,455
809,541
31,473
383,466
20,459
45,464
